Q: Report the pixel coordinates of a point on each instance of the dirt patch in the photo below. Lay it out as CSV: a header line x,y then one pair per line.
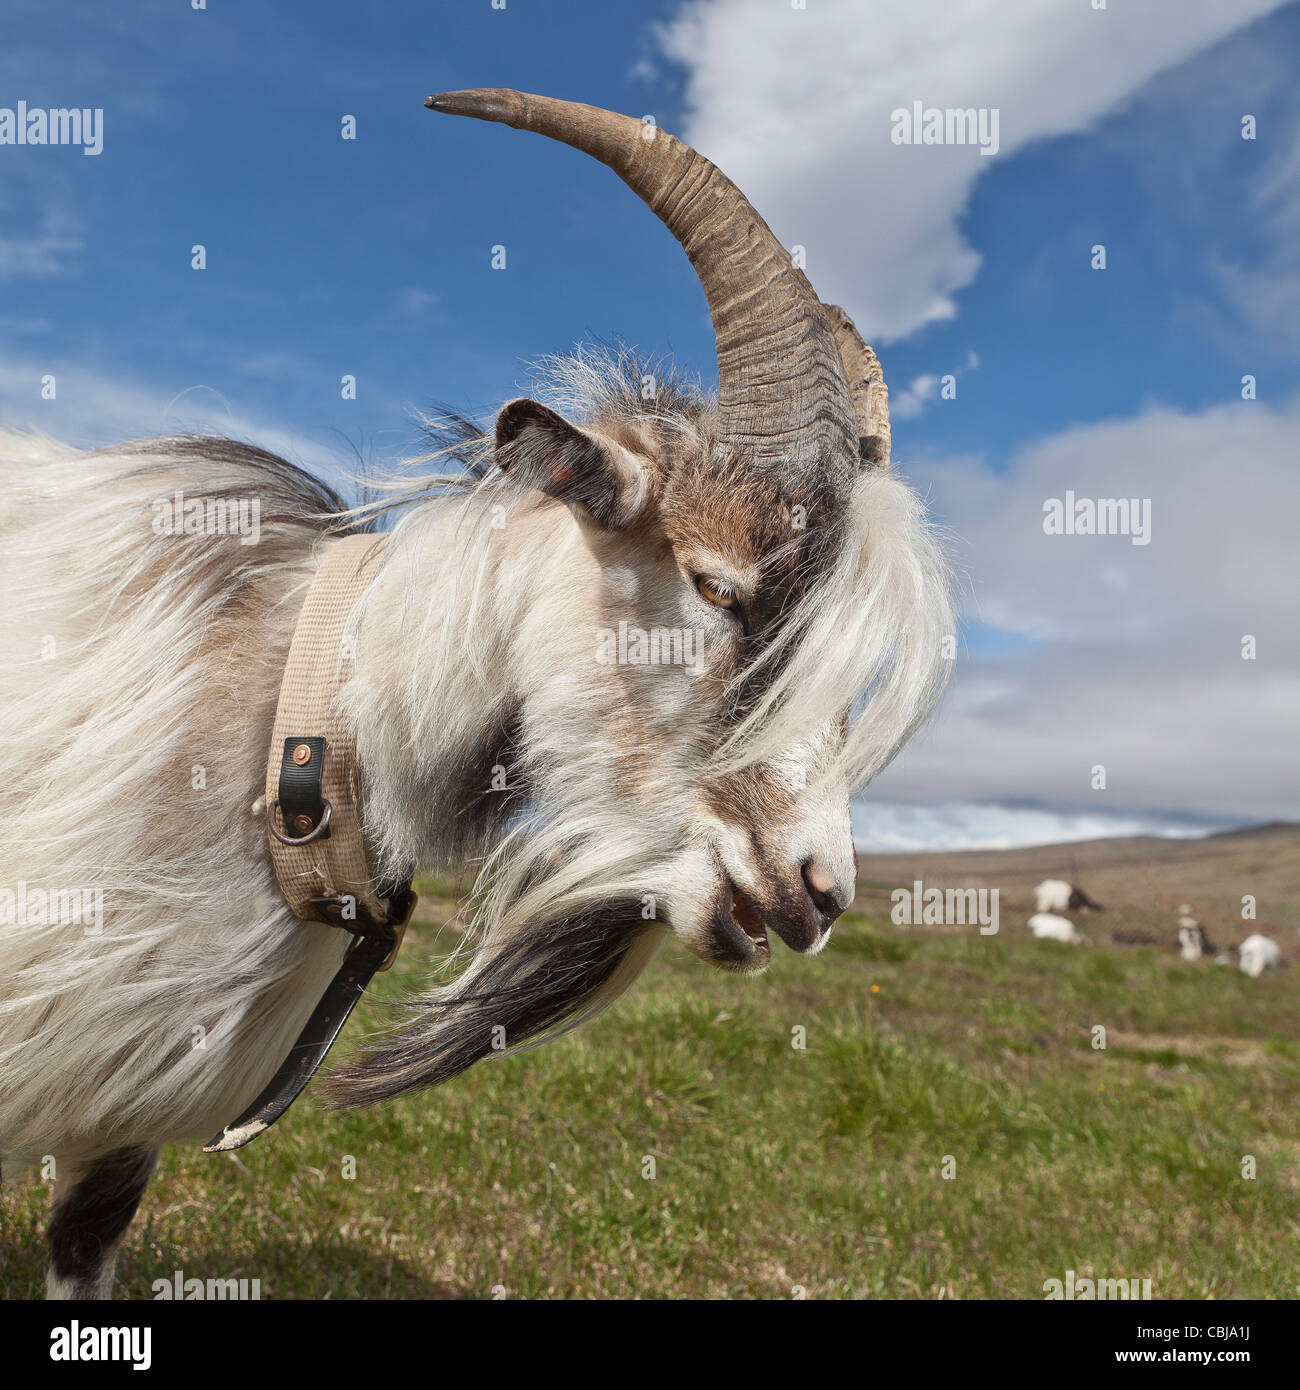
x,y
1239,1052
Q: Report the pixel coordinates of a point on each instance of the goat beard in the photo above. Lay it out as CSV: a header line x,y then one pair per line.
x,y
539,982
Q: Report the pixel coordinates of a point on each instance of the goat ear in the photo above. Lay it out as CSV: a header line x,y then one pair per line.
x,y
543,450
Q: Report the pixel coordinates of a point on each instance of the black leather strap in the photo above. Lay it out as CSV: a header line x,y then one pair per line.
x,y
302,804
376,943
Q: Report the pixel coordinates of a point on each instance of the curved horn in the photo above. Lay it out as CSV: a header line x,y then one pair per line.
x,y
782,394
867,384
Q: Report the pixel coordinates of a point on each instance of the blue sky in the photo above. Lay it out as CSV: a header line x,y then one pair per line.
x,y
372,258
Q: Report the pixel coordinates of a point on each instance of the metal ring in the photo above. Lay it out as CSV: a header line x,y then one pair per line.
x,y
320,829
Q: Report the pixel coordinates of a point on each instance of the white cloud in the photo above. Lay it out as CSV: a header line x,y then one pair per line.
x,y
796,106
417,303
1221,487
881,827
1265,291
914,397
44,250
93,408
1136,662
922,391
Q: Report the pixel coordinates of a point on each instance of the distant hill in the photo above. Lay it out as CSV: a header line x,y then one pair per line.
x,y
1140,879
1262,829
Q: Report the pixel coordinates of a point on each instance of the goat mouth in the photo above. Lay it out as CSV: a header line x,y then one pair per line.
x,y
745,915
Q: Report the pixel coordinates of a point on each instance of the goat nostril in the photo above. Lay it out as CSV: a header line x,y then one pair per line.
x,y
818,879
820,883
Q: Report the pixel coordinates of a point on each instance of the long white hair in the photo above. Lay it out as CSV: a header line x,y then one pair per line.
x,y
140,683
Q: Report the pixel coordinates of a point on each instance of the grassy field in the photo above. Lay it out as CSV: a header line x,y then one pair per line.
x,y
779,1169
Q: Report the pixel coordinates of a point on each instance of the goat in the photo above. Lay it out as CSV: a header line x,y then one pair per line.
x,y
1056,895
1193,943
1047,927
611,802
1257,954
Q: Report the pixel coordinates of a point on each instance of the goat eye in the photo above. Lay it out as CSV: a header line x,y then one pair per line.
x,y
714,591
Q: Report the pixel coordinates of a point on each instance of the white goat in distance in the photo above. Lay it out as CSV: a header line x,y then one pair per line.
x,y
1193,943
1048,927
1257,954
1056,895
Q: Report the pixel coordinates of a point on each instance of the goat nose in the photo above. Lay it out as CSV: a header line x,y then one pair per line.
x,y
827,896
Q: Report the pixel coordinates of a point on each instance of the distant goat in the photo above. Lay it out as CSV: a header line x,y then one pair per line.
x,y
1047,927
1193,944
1056,895
1257,954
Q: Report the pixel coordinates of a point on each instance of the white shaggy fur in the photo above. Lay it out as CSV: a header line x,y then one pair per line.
x,y
139,685
135,667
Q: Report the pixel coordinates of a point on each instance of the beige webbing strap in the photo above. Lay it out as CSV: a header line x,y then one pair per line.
x,y
325,878
320,660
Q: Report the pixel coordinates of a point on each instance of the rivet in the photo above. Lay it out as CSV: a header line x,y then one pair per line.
x,y
302,754
302,824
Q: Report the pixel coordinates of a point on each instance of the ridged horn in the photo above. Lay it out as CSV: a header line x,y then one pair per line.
x,y
866,380
782,393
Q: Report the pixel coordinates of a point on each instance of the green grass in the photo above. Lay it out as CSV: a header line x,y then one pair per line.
x,y
778,1168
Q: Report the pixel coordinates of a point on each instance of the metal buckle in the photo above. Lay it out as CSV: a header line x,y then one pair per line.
x,y
321,827
405,903
401,906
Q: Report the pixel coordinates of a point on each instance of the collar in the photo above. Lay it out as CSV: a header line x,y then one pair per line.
x,y
313,824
